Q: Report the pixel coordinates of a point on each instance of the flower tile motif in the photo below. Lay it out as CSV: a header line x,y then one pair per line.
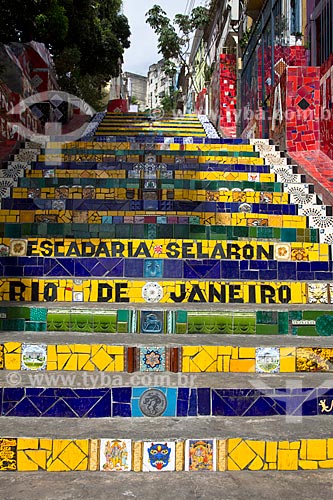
x,y
320,222
18,248
152,292
152,359
267,360
159,456
317,293
33,357
299,254
200,455
115,455
282,251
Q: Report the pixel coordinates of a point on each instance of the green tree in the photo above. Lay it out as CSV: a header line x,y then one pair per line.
x,y
174,36
87,38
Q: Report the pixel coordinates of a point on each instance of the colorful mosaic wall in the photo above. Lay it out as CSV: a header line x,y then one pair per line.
x,y
136,231
159,400
121,455
326,122
187,359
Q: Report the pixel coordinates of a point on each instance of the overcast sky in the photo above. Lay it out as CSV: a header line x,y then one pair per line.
x,y
143,50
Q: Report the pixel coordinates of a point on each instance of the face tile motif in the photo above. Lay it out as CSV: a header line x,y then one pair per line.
x,y
33,357
200,455
159,456
115,455
267,360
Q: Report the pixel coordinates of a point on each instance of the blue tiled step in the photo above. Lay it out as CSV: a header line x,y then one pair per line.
x,y
143,205
180,401
266,270
113,165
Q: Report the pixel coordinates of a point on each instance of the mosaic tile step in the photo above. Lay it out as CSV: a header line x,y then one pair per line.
x,y
164,292
110,227
99,147
200,454
206,252
62,184
171,163
52,147
139,193
126,402
150,205
90,267
238,162
303,323
159,139
186,359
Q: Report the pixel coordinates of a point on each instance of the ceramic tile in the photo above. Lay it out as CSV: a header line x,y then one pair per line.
x,y
159,456
267,360
33,357
115,455
200,455
152,359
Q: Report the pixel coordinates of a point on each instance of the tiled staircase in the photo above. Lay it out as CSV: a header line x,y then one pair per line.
x,y
166,305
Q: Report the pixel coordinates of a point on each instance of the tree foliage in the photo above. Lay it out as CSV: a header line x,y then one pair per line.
x,y
174,36
87,38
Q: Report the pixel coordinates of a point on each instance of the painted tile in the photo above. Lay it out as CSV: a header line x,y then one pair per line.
x,y
317,293
159,456
200,455
18,248
8,454
153,268
267,360
33,357
2,359
311,359
115,455
151,321
152,359
282,251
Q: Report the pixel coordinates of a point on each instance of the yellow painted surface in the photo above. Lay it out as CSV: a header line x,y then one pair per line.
x,y
316,449
287,460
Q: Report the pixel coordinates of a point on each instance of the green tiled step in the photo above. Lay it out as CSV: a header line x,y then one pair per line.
x,y
307,322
